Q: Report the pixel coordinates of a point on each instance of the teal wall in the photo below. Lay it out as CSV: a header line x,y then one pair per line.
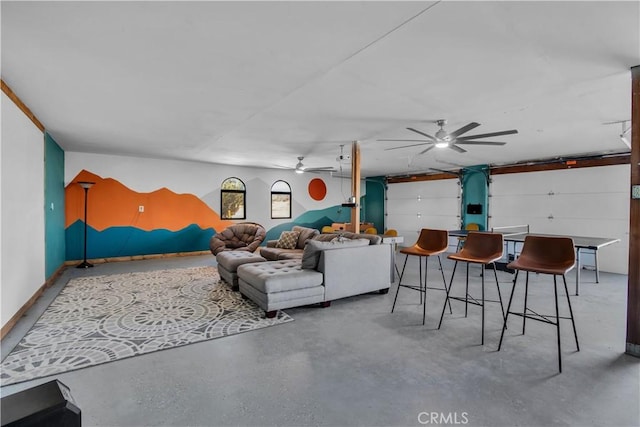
x,y
312,219
475,191
54,212
374,202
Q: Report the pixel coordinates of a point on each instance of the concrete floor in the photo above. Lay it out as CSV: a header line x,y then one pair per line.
x,y
355,363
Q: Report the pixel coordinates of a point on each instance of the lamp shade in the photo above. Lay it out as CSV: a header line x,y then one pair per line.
x,y
86,184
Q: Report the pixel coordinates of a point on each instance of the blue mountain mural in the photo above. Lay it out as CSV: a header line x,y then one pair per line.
x,y
129,241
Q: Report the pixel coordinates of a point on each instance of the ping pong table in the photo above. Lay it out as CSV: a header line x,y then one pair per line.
x,y
517,233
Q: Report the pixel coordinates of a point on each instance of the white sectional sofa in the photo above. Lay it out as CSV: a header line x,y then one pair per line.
x,y
344,268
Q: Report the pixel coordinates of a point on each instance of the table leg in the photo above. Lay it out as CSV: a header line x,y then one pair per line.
x,y
393,262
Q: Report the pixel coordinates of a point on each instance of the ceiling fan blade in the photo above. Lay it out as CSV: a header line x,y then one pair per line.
x,y
480,142
407,146
324,169
408,140
464,129
425,150
318,172
456,148
422,133
487,135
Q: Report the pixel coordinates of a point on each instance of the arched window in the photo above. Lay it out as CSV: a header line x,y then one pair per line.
x,y
280,200
232,199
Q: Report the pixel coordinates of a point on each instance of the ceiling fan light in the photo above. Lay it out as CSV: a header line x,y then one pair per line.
x,y
442,144
298,170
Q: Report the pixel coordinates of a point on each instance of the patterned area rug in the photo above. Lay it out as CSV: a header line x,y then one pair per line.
x,y
101,319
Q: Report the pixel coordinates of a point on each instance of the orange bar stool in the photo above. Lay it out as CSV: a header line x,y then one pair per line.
x,y
430,243
546,255
479,248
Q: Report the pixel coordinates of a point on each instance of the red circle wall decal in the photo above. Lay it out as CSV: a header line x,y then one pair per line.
x,y
317,189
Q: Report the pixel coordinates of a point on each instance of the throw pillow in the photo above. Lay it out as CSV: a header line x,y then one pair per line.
x,y
305,234
288,240
311,253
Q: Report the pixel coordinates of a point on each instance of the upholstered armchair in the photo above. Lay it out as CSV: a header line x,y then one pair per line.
x,y
245,236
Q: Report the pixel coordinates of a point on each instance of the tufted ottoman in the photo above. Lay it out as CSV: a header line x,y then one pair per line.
x,y
229,261
276,285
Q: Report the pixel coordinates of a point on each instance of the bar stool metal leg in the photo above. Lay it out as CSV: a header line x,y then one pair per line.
x,y
422,288
444,281
444,306
573,323
526,293
555,291
504,326
420,276
466,293
495,273
424,305
482,268
399,283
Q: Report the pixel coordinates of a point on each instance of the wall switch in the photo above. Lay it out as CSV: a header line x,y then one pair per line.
x,y
635,191
51,205
140,208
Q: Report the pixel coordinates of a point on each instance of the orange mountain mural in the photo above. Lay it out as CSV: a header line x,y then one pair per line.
x,y
112,204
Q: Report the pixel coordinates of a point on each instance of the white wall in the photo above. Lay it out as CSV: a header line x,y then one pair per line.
x,y
203,180
413,206
590,202
22,235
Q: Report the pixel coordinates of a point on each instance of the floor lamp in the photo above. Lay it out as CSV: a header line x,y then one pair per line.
x,y
86,185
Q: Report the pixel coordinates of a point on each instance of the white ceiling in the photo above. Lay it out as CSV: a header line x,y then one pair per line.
x,y
260,83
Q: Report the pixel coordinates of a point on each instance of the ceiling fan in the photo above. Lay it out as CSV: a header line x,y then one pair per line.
x,y
301,168
452,140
